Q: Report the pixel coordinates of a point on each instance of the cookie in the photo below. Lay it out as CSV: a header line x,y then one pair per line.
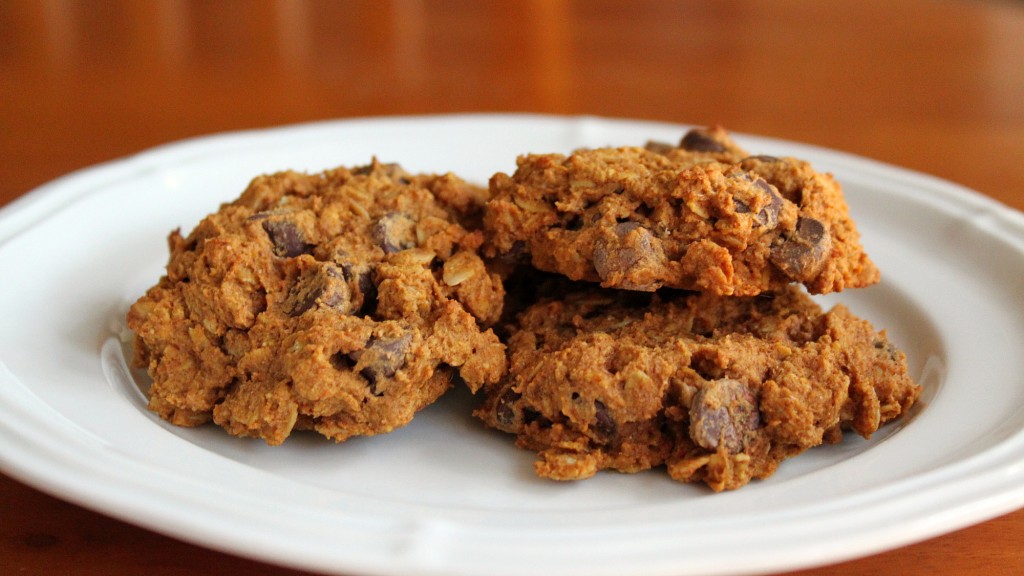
x,y
340,302
700,216
717,390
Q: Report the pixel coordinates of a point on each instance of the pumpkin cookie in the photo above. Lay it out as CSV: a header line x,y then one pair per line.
x,y
700,216
718,390
340,302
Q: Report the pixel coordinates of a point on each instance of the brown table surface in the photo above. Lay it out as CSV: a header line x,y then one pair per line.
x,y
935,86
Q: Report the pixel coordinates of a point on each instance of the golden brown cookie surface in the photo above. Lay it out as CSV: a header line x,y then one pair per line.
x,y
719,390
341,302
699,216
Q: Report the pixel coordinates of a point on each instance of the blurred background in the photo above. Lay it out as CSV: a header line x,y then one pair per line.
x,y
82,81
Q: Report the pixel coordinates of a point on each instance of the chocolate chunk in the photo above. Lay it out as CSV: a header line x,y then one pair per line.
x,y
362,287
604,424
508,417
381,359
723,414
394,232
762,158
302,301
388,170
635,247
768,215
286,237
802,255
698,140
324,285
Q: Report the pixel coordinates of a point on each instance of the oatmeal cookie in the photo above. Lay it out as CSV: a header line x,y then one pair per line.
x,y
718,390
700,216
341,302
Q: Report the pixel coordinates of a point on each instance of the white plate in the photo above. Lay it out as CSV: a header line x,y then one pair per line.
x,y
443,495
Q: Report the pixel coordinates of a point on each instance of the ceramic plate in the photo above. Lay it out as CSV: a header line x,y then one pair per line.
x,y
443,495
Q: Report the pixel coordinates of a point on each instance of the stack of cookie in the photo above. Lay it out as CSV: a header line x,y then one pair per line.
x,y
657,310
680,335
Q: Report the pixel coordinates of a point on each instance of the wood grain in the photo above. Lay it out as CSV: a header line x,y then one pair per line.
x,y
931,85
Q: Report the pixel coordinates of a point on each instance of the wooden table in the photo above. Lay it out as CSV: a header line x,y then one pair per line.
x,y
935,86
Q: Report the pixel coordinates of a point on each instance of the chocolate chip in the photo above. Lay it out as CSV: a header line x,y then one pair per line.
x,y
698,140
301,303
762,158
286,237
634,247
604,424
389,170
362,288
394,232
506,413
381,359
324,285
723,414
768,215
802,255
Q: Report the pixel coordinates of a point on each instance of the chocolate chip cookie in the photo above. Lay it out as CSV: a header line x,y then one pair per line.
x,y
340,302
700,216
718,390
